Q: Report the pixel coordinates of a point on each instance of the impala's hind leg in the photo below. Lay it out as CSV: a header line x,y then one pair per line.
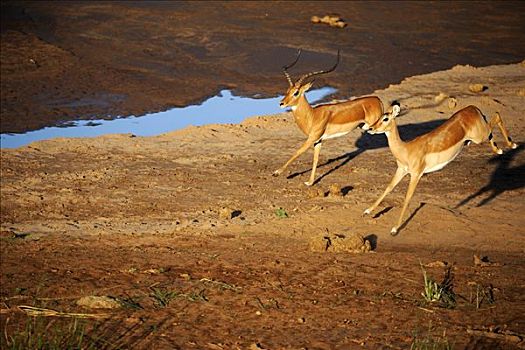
x,y
486,133
493,144
496,120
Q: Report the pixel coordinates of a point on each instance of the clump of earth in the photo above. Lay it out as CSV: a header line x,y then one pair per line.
x,y
352,243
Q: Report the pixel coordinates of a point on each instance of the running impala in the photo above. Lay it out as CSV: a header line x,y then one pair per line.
x,y
326,121
434,150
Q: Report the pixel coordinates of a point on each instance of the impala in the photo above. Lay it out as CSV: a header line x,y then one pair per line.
x,y
432,151
324,121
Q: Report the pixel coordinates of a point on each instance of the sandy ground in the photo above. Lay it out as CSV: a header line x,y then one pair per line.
x,y
128,217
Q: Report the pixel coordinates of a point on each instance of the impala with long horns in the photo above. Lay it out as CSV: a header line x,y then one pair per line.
x,y
432,151
325,121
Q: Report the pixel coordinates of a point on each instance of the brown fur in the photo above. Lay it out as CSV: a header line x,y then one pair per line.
x,y
327,120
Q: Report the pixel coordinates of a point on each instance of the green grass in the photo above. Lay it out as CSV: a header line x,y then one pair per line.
x,y
483,294
49,334
163,296
281,213
441,293
431,343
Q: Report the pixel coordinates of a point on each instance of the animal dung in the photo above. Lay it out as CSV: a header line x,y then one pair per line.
x,y
331,20
316,192
334,190
226,213
477,87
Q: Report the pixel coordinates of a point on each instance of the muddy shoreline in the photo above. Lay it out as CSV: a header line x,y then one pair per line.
x,y
92,60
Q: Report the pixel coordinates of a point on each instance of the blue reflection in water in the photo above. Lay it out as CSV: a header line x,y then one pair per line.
x,y
221,109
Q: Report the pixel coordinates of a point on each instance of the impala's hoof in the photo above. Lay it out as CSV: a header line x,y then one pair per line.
x,y
367,212
514,145
308,183
499,151
276,173
393,231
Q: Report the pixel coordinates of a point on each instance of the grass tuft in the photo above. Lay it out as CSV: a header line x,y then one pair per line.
x,y
281,213
441,293
163,296
40,334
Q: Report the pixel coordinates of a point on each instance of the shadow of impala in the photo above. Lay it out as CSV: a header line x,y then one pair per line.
x,y
504,178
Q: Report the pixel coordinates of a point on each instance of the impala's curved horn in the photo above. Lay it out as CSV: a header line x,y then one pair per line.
x,y
285,68
309,75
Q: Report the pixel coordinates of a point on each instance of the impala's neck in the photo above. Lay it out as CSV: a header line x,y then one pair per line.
x,y
303,114
397,146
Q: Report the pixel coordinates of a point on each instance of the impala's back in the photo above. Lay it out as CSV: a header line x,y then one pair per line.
x,y
345,116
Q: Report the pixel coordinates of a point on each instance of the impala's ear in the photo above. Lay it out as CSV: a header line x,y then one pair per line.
x,y
307,86
396,108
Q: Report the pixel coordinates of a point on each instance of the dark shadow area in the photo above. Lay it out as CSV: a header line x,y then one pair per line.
x,y
372,238
382,212
504,178
369,142
345,190
405,223
236,213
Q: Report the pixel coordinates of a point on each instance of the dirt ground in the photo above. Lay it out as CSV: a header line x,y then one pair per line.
x,y
204,249
63,61
188,232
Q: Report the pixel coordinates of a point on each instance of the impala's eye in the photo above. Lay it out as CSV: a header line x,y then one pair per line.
x,y
296,93
385,119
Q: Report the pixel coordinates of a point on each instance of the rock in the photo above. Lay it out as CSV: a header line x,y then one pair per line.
x,y
477,87
98,302
441,97
437,263
484,261
331,20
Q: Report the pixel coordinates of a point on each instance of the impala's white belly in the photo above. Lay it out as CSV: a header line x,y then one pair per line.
x,y
333,136
437,161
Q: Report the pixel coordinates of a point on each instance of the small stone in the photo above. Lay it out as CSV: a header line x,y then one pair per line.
x,y
452,103
477,87
441,97
301,320
437,263
98,302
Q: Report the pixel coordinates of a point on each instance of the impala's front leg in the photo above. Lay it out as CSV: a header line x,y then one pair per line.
x,y
317,150
300,151
398,176
414,180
